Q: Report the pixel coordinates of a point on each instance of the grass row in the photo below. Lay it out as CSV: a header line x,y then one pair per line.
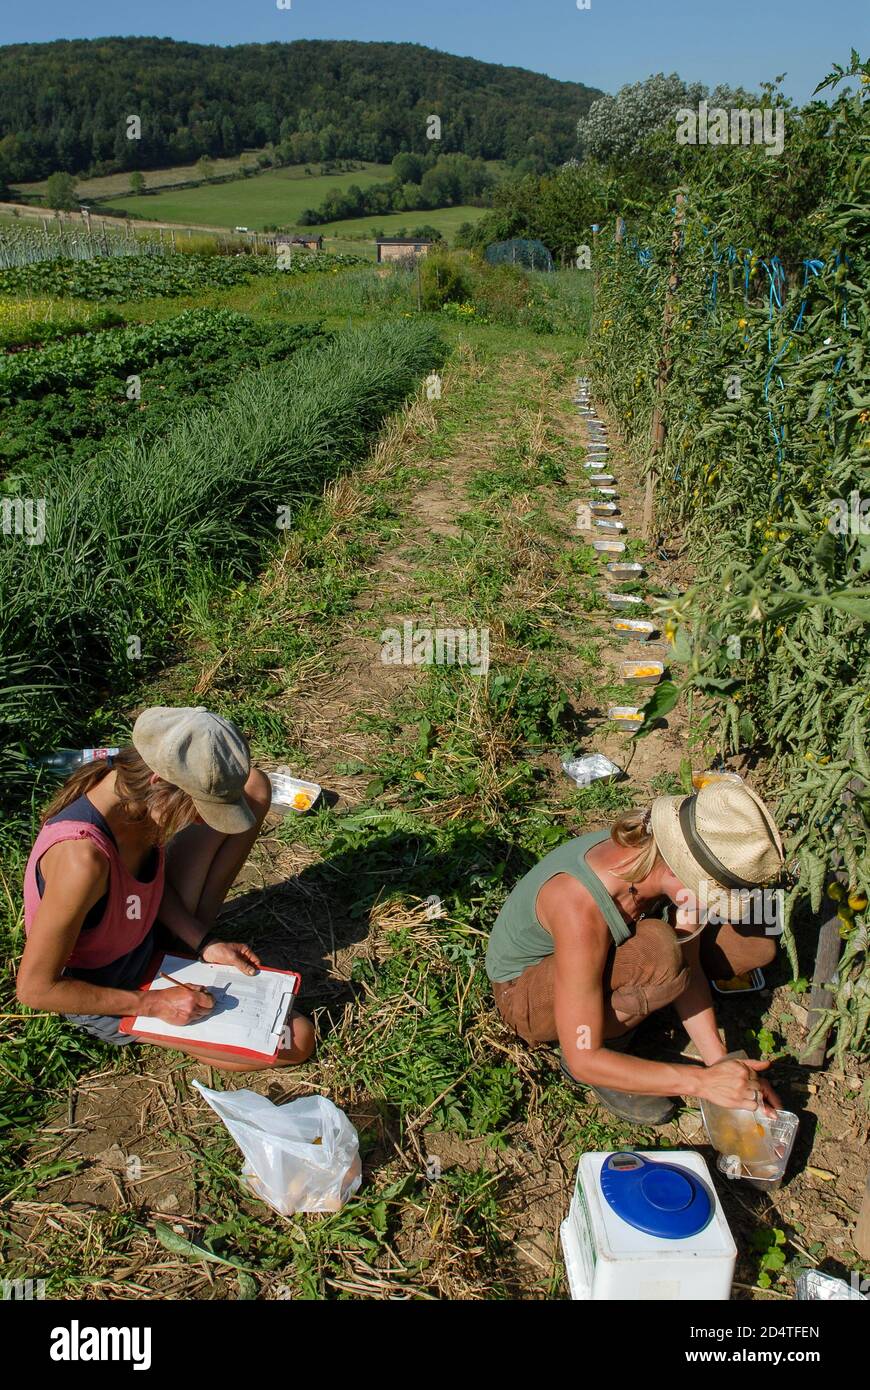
x,y
131,536
74,395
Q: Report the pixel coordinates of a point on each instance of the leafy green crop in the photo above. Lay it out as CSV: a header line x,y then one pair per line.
x,y
130,278
129,535
72,397
82,359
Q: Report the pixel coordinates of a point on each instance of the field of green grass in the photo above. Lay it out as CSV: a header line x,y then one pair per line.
x,y
110,185
447,220
278,196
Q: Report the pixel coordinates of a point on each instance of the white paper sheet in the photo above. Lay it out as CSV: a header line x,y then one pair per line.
x,y
249,1010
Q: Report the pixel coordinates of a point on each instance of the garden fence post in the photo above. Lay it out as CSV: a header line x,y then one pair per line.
x,y
658,429
828,950
862,1225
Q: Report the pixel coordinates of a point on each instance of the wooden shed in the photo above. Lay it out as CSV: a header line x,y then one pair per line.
x,y
399,248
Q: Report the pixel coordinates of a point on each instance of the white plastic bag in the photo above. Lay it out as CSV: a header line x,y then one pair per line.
x,y
303,1156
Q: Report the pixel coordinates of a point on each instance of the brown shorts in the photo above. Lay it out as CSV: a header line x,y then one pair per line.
x,y
645,973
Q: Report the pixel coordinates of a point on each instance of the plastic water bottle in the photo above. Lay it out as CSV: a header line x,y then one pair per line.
x,y
64,761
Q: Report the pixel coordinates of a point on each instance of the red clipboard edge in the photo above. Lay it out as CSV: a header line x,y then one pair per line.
x,y
126,1024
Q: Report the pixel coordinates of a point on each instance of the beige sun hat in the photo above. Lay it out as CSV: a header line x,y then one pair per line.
x,y
203,754
719,842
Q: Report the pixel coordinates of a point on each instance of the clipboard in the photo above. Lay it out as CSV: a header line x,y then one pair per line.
x,y
127,1024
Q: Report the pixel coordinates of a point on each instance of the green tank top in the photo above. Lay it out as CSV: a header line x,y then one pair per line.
x,y
518,939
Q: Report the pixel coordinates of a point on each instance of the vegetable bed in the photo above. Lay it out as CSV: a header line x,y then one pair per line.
x,y
63,400
134,534
131,278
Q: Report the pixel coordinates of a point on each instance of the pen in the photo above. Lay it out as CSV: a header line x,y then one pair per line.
x,y
197,989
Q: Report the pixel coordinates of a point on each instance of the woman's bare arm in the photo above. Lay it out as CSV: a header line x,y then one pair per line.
x,y
695,1010
581,949
76,876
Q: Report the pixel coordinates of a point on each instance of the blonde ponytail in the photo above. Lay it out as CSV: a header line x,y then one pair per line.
x,y
630,831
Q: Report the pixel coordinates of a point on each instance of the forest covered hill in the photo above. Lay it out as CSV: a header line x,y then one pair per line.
x,y
64,105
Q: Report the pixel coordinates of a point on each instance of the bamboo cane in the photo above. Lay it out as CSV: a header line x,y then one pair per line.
x,y
659,428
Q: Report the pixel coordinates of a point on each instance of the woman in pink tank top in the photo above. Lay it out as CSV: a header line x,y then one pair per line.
x,y
152,837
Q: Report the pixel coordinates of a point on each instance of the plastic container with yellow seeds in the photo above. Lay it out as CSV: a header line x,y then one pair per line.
x,y
291,793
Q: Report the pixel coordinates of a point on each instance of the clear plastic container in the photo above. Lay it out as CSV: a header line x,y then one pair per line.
x,y
750,983
595,767
633,629
751,1144
774,1145
814,1286
641,672
291,793
625,570
704,779
626,717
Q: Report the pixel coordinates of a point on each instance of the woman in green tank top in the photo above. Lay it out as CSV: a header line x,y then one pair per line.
x,y
580,953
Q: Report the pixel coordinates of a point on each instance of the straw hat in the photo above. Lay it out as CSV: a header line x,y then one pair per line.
x,y
720,842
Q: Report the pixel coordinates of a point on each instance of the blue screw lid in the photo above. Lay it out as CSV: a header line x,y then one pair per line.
x,y
660,1199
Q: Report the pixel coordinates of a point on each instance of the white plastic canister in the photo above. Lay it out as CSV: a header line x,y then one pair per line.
x,y
607,1258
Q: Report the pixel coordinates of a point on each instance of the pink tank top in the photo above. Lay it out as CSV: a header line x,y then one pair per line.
x,y
131,909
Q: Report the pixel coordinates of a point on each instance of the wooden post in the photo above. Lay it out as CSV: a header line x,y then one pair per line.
x,y
658,421
419,288
862,1225
821,997
594,249
828,947
618,235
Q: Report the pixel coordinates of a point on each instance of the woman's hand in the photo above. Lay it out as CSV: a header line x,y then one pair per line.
x,y
736,1086
771,1100
179,1005
232,953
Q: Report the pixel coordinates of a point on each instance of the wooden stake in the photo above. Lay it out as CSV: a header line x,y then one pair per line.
x,y
862,1226
821,998
658,421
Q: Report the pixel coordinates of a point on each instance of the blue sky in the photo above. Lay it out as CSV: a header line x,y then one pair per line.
x,y
740,42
